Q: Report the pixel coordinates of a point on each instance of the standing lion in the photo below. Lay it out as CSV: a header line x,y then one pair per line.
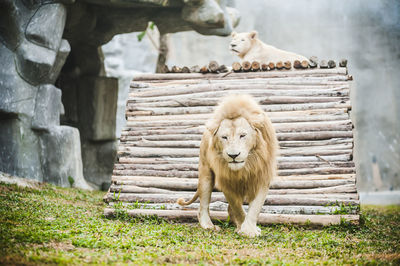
x,y
238,155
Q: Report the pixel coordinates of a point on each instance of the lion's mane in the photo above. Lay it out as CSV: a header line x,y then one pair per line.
x,y
260,165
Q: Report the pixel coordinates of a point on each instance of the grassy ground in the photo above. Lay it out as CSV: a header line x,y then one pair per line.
x,y
66,226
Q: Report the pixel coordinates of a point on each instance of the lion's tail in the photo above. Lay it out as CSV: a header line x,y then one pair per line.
x,y
182,201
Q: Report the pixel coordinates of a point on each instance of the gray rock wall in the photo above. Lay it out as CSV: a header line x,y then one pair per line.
x,y
52,73
367,33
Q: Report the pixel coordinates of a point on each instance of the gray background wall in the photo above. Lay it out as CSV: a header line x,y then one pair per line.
x,y
367,33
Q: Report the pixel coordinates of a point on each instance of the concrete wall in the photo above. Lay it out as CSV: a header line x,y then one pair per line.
x,y
367,33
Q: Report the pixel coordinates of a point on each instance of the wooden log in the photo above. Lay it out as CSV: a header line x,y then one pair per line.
x,y
124,164
195,69
322,220
331,64
223,69
305,182
176,69
286,78
213,66
255,66
194,174
329,114
287,65
214,87
204,70
297,64
196,144
185,69
279,65
125,188
322,135
330,159
264,67
222,206
167,122
304,64
343,63
257,91
301,127
209,109
236,67
278,100
152,78
246,66
164,69
323,64
292,199
271,66
313,62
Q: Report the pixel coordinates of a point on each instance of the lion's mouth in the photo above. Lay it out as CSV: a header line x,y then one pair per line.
x,y
235,162
236,51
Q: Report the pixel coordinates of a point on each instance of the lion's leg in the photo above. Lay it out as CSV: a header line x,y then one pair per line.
x,y
206,185
249,227
235,209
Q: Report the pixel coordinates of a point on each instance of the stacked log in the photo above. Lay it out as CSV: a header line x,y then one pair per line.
x,y
309,108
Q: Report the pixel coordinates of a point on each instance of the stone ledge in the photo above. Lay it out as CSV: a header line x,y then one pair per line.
x,y
380,197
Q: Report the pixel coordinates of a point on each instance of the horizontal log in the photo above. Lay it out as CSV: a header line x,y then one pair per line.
x,y
125,164
153,77
194,152
194,174
349,188
191,184
259,92
331,159
336,125
222,206
289,199
134,123
135,110
272,115
196,143
323,220
248,86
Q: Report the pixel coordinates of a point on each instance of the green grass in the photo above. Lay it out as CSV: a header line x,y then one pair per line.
x,y
65,226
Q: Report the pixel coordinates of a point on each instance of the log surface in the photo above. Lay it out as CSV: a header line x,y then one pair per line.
x,y
157,158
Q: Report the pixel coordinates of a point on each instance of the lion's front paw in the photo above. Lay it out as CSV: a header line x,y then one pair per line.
x,y
249,230
210,226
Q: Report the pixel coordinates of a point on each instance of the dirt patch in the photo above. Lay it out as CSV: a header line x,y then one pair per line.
x,y
382,256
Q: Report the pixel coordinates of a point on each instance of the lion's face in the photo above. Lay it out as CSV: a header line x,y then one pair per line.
x,y
241,42
237,139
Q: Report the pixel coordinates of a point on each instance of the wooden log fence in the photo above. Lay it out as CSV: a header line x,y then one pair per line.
x,y
309,106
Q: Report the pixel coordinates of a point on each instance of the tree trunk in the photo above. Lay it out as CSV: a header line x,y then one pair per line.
x,y
162,54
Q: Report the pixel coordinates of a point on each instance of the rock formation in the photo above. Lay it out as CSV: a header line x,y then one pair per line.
x,y
57,107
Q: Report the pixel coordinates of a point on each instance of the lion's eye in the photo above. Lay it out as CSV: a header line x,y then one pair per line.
x,y
224,137
242,136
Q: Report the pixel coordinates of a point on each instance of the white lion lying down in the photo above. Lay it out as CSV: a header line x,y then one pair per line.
x,y
237,155
248,47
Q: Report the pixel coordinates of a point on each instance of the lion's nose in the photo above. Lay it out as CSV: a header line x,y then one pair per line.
x,y
233,156
233,45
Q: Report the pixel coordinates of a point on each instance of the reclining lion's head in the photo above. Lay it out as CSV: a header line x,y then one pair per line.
x,y
242,42
239,132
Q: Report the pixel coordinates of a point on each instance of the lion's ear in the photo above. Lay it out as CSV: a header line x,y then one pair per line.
x,y
233,34
212,126
253,34
257,121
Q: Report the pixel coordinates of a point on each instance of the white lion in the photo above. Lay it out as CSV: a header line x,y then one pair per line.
x,y
248,47
238,156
